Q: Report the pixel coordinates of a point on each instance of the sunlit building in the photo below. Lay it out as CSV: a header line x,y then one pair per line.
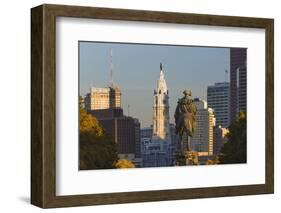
x,y
103,98
161,109
158,150
202,140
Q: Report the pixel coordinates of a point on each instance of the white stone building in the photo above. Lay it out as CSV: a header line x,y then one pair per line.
x,y
161,126
158,150
202,140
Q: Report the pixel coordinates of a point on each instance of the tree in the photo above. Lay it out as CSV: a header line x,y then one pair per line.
x,y
97,150
235,149
89,124
213,161
81,102
123,164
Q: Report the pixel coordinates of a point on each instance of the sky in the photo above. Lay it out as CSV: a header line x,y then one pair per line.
x,y
136,68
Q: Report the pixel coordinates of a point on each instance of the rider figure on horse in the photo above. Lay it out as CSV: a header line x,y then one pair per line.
x,y
185,115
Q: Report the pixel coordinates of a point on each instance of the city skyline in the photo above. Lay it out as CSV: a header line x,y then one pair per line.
x,y
202,66
114,76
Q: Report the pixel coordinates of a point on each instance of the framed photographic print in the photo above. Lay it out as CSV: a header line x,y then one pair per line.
x,y
135,106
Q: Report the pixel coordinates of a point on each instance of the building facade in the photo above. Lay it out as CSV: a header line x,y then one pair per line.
x,y
157,149
242,89
161,108
202,140
238,81
151,150
125,131
218,99
220,138
103,98
114,96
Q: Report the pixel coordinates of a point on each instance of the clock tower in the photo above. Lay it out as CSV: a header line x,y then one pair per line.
x,y
161,108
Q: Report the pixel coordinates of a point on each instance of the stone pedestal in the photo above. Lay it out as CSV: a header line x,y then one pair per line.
x,y
191,158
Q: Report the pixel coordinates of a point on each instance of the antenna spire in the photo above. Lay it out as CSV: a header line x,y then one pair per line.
x,y
111,68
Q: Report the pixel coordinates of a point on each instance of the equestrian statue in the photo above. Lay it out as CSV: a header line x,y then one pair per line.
x,y
185,118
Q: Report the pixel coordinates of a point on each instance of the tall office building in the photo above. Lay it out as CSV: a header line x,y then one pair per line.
x,y
202,140
242,89
103,98
219,139
218,100
238,81
125,131
114,96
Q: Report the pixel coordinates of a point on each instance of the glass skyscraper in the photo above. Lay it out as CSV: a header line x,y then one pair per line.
x,y
238,81
218,99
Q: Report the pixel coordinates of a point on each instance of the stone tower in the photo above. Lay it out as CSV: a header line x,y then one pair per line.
x,y
161,109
